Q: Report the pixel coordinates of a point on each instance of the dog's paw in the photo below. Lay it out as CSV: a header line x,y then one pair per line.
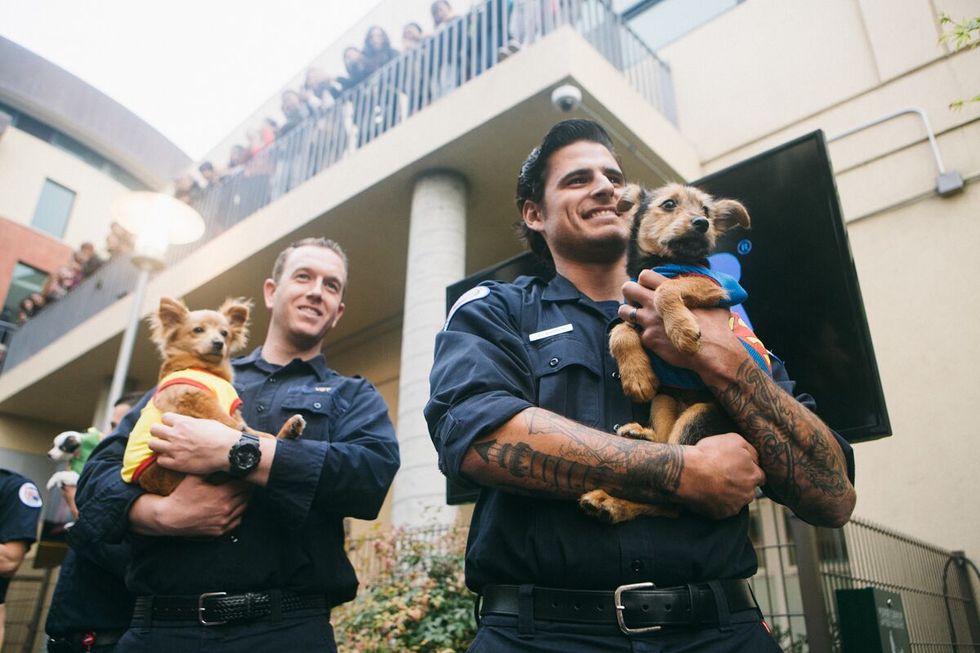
x,y
62,478
598,504
687,339
635,431
293,428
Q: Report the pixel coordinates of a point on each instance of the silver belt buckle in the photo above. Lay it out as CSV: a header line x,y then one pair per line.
x,y
200,608
620,608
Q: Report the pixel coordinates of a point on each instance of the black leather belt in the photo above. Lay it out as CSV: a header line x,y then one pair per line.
x,y
636,608
216,608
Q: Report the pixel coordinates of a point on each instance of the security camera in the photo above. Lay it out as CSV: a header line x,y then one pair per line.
x,y
566,97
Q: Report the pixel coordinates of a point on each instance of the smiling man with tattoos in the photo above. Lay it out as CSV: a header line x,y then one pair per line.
x,y
525,402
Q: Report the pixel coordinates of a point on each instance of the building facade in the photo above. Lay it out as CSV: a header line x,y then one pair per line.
x,y
413,172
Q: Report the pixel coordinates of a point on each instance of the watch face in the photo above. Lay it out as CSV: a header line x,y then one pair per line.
x,y
247,456
244,457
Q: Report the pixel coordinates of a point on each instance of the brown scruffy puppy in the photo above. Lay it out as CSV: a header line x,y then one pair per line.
x,y
195,380
679,225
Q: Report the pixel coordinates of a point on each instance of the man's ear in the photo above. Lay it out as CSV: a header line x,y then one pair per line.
x,y
268,290
533,216
340,314
729,213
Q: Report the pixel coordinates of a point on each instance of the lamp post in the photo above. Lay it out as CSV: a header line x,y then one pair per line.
x,y
157,221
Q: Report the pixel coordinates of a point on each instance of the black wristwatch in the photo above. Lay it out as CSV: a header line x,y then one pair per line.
x,y
244,455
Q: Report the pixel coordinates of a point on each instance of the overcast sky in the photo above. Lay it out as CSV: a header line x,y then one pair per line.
x,y
193,70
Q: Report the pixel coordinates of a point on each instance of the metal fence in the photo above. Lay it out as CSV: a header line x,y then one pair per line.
x,y
27,600
464,49
800,567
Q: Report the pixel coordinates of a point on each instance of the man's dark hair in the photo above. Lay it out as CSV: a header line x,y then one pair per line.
x,y
130,399
313,241
534,171
206,166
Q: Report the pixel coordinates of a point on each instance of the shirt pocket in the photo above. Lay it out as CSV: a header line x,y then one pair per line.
x,y
568,375
320,408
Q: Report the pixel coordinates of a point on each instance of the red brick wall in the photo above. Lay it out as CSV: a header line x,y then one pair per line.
x,y
22,244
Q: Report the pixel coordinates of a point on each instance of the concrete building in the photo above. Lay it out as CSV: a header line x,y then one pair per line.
x,y
419,194
66,152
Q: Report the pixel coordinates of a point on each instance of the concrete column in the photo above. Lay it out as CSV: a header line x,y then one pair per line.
x,y
436,258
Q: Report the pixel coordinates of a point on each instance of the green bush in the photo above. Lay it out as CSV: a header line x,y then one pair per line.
x,y
416,601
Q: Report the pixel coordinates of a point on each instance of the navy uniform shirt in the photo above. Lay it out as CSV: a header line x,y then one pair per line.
x,y
291,536
20,509
91,595
487,369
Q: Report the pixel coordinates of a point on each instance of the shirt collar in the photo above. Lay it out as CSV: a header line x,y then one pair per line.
x,y
318,363
560,289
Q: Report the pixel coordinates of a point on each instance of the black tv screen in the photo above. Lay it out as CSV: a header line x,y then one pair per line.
x,y
795,262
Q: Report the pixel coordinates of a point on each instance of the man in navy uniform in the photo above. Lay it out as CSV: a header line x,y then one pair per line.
x,y
91,607
525,401
255,563
20,510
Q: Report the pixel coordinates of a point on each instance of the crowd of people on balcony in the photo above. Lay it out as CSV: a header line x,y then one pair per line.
x,y
321,119
83,263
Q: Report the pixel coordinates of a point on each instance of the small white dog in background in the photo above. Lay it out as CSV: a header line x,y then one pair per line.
x,y
73,448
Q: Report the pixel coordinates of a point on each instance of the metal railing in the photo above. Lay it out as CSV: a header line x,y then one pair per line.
x,y
800,568
464,49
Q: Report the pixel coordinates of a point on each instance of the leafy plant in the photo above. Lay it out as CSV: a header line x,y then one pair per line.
x,y
416,601
963,35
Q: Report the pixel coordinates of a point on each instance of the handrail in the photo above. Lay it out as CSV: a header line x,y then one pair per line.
x,y
466,48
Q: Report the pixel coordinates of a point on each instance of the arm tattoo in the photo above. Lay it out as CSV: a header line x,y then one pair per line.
x,y
794,447
586,460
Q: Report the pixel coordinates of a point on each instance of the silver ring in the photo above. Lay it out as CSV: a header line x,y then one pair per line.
x,y
633,315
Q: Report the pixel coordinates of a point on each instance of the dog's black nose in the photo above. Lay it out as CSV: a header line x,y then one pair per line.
x,y
700,223
217,345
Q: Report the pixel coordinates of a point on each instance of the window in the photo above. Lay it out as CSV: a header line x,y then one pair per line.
x,y
658,22
25,281
53,208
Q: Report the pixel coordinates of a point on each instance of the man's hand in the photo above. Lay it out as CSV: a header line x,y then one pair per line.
x,y
191,445
195,508
68,493
720,349
721,473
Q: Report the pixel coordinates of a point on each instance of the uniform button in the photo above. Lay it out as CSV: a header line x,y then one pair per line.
x,y
553,362
318,405
272,379
260,408
615,375
637,566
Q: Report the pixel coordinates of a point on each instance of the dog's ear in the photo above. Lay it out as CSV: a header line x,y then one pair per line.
x,y
629,198
236,311
729,213
172,312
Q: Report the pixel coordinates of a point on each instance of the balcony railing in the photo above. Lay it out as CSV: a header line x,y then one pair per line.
x,y
465,49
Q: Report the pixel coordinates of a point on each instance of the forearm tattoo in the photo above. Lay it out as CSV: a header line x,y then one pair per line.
x,y
796,450
584,461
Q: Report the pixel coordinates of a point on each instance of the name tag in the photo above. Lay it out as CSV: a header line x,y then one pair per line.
x,y
547,333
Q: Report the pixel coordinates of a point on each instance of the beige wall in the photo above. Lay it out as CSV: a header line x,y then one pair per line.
x,y
770,70
25,162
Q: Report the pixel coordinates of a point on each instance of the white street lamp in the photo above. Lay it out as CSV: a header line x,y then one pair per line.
x,y
157,221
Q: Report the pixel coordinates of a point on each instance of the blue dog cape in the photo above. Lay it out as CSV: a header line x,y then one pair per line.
x,y
684,379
